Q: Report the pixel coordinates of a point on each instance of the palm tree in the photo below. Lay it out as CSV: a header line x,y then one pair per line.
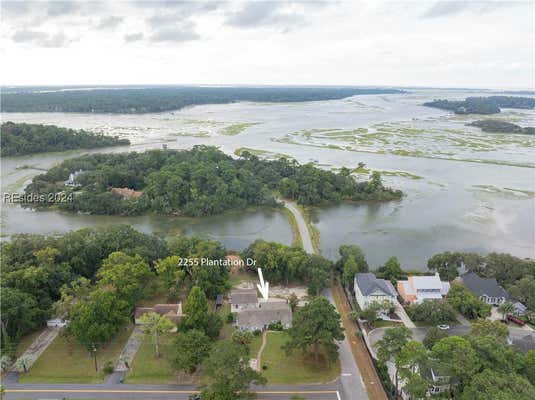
x,y
506,308
156,324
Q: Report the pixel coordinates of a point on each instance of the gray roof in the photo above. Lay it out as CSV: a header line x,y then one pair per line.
x,y
525,343
483,286
368,284
243,296
265,315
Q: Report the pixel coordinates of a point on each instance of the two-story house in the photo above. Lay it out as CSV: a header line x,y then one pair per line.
x,y
369,289
487,289
419,288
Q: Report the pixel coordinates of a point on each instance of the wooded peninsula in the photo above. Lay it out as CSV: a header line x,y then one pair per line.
x,y
18,139
197,182
483,105
159,99
494,126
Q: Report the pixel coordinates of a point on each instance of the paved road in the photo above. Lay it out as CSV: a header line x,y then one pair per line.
x,y
301,225
157,392
350,378
516,334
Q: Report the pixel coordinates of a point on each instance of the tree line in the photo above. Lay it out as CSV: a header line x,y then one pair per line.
x,y
201,181
482,105
494,126
20,138
159,99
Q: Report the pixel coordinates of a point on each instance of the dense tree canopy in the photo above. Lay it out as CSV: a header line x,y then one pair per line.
x,y
137,100
281,263
492,125
19,139
201,181
483,105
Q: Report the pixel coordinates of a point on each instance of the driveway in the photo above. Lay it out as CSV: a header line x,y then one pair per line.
x,y
402,314
39,345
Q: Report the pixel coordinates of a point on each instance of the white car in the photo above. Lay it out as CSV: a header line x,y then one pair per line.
x,y
443,327
57,323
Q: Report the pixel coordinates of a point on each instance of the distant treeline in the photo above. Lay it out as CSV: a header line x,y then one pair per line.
x,y
483,105
201,181
147,100
20,139
494,126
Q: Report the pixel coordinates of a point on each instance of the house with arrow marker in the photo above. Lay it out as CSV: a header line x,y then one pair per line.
x,y
254,313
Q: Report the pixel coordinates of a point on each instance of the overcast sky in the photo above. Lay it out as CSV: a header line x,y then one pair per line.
x,y
426,43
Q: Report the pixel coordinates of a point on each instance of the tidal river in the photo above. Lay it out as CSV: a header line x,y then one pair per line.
x,y
465,190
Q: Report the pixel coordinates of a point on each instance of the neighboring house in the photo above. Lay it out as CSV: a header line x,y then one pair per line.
x,y
243,299
419,288
268,312
72,178
520,309
439,382
487,289
369,289
172,311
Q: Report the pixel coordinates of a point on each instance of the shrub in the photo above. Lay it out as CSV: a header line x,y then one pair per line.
x,y
230,318
276,326
108,367
257,332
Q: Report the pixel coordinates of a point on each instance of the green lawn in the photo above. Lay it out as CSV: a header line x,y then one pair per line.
x,y
294,369
254,346
66,361
147,369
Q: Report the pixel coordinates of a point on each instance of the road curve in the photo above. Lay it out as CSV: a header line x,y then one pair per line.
x,y
301,225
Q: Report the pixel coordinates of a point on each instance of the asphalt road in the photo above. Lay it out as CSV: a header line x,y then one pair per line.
x,y
157,392
350,378
301,225
352,386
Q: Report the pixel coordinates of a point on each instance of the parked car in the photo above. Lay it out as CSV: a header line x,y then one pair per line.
x,y
443,327
516,320
57,323
194,397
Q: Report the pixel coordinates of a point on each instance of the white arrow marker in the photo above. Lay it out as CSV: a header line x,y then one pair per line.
x,y
264,286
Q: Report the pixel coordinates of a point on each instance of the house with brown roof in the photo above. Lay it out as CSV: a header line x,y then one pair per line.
x,y
172,311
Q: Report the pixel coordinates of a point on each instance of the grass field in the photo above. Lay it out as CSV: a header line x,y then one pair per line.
x,y
66,361
147,369
296,368
254,346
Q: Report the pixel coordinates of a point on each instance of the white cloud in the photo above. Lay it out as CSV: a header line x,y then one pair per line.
x,y
478,44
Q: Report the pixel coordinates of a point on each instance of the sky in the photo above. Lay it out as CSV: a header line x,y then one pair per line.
x,y
480,44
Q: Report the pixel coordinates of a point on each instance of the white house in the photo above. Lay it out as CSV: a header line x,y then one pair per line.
x,y
369,289
419,288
